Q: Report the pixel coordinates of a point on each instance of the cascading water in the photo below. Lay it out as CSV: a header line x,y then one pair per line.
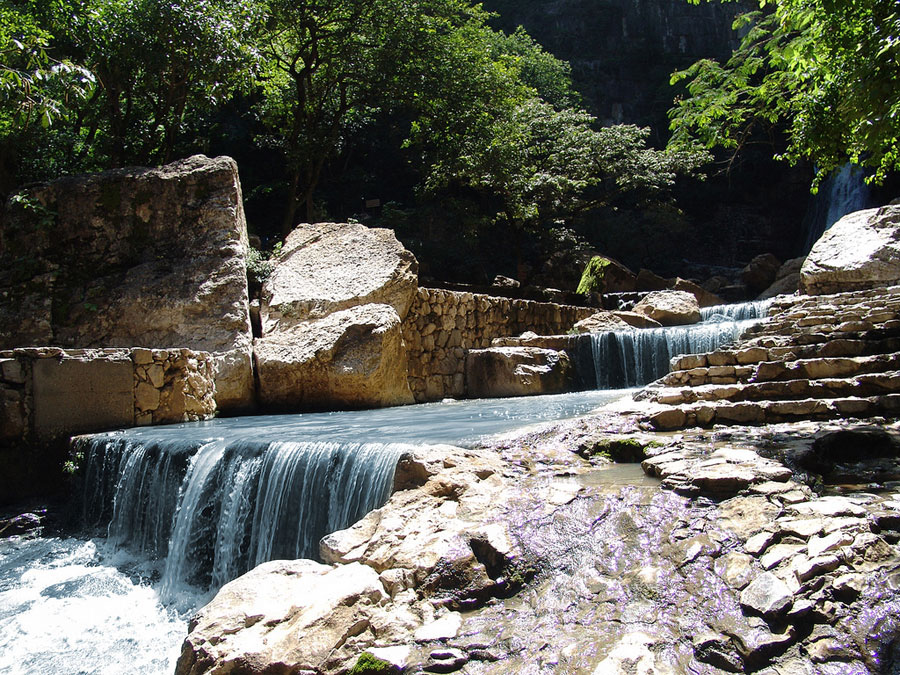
x,y
841,193
187,507
633,358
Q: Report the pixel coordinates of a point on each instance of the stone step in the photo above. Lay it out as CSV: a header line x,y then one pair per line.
x,y
871,384
747,355
821,368
771,412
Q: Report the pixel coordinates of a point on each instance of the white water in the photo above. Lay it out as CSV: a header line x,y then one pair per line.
x,y
93,605
73,606
841,193
633,358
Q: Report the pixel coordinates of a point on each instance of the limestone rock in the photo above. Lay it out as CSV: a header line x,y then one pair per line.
x,y
517,371
649,281
328,267
351,358
861,250
501,281
787,280
704,297
760,272
636,320
670,308
612,276
284,616
767,595
160,263
600,322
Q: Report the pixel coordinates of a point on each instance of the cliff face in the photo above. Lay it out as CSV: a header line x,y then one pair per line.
x,y
623,51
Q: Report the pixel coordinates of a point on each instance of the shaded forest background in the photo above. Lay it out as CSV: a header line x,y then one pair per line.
x,y
511,139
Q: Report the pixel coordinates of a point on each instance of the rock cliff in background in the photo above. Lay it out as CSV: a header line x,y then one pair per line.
x,y
860,251
331,317
133,258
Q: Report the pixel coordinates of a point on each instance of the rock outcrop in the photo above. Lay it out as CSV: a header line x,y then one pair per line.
x,y
353,358
601,321
331,315
517,371
860,251
670,308
133,258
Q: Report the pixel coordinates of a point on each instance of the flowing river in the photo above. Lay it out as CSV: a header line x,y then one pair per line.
x,y
118,604
169,514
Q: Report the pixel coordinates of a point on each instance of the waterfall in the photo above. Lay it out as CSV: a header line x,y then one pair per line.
x,y
740,311
633,358
841,193
214,508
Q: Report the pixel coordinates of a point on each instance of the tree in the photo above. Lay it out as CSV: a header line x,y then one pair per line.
x,y
545,165
155,62
35,87
821,73
332,66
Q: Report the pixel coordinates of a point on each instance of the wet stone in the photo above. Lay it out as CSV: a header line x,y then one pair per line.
x,y
446,661
718,651
736,569
778,553
767,595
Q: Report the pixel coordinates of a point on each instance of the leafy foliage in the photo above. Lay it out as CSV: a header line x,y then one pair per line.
x,y
34,87
822,72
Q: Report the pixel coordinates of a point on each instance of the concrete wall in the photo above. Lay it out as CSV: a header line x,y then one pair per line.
x,y
48,394
443,325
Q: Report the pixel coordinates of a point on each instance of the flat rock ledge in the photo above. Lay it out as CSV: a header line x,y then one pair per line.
x,y
715,551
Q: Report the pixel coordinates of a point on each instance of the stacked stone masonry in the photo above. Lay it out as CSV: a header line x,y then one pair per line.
x,y
815,357
443,325
49,392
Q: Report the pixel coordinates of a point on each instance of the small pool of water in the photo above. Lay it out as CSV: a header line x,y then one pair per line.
x,y
618,475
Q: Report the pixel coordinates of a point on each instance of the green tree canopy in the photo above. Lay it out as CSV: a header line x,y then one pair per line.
x,y
822,72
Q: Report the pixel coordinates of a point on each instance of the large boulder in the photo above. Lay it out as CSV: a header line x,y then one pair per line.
x,y
600,322
787,280
704,297
331,316
760,272
650,281
326,267
635,320
133,258
605,275
353,358
287,616
517,371
670,308
861,250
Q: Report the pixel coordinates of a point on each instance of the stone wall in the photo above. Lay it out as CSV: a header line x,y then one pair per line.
x,y
133,258
48,394
443,325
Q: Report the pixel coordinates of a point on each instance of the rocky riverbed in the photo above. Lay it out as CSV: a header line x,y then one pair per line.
x,y
567,549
